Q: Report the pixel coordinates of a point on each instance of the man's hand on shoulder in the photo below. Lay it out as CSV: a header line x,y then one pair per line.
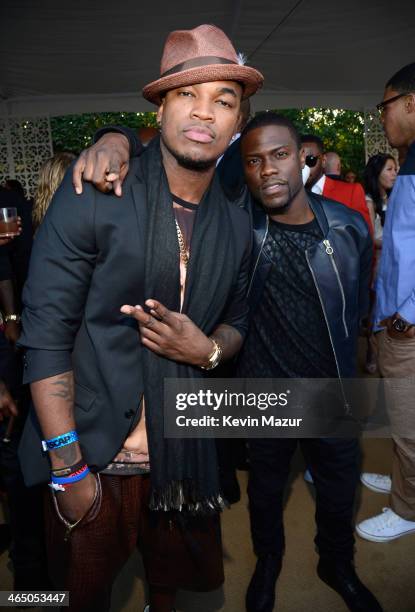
x,y
105,164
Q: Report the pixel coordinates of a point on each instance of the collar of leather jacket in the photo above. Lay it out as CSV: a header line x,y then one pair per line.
x,y
259,217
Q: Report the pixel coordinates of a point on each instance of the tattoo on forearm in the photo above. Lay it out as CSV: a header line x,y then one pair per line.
x,y
68,454
64,387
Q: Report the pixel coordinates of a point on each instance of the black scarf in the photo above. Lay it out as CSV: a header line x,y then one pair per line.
x,y
184,472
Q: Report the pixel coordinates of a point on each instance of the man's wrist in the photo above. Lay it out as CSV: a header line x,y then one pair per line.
x,y
65,456
124,141
134,146
118,140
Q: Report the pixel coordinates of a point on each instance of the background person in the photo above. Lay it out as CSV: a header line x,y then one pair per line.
x,y
27,549
332,165
50,177
379,177
350,177
352,195
394,317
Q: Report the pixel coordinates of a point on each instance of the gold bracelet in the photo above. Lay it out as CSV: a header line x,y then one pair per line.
x,y
215,356
12,317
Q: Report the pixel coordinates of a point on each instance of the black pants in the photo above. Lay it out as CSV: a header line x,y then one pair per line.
x,y
334,464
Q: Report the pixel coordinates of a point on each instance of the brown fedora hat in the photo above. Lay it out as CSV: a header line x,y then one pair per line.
x,y
200,55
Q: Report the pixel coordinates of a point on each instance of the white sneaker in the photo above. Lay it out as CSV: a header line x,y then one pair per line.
x,y
377,482
385,527
308,477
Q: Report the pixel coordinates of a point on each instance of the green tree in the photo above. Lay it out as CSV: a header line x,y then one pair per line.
x,y
75,132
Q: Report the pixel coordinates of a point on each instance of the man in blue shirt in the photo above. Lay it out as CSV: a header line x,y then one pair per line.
x,y
395,316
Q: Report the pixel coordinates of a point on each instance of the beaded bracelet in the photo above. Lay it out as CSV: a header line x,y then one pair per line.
x,y
62,440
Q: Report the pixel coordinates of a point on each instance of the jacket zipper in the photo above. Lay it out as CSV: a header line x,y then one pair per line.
x,y
347,405
259,255
330,253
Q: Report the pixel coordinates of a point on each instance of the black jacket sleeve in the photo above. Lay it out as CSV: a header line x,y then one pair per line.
x,y
61,266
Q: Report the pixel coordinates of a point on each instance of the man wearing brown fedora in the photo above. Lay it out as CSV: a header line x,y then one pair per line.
x,y
171,262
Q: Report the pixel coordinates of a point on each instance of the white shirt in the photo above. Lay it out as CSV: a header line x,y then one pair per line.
x,y
319,186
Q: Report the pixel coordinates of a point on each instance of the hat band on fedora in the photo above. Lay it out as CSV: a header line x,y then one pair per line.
x,y
196,62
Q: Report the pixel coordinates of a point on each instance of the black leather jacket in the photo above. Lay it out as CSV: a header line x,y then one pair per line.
x,y
340,266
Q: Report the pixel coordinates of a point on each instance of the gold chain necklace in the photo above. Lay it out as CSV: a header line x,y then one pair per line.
x,y
184,253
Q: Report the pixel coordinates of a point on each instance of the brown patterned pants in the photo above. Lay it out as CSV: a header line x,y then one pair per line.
x,y
88,561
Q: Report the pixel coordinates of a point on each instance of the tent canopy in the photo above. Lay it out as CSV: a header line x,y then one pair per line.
x,y
77,56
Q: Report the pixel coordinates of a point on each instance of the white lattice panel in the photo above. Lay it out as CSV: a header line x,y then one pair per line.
x,y
375,139
25,144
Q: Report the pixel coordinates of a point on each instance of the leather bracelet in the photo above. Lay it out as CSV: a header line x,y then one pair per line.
x,y
61,484
68,470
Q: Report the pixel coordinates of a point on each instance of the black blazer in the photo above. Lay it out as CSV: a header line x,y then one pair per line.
x,y
88,260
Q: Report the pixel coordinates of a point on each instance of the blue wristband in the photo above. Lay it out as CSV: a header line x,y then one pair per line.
x,y
69,479
62,440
